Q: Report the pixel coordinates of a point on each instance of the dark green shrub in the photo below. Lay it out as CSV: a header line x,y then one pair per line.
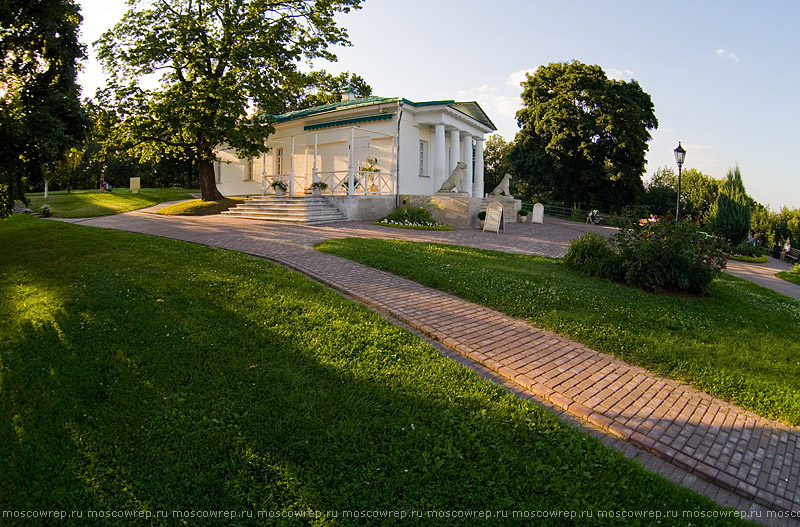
x,y
409,216
482,215
592,255
668,255
746,249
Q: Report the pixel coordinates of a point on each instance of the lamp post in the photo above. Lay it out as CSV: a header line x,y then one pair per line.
x,y
680,155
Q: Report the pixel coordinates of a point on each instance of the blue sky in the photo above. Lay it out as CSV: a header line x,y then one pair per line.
x,y
722,74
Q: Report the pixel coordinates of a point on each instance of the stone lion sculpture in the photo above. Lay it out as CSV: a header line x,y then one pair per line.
x,y
502,188
456,179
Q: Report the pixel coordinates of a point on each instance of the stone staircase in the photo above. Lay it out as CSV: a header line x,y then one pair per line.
x,y
298,209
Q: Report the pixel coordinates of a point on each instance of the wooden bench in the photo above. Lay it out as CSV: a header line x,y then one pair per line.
x,y
794,255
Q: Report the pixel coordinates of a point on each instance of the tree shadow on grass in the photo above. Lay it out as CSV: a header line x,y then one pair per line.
x,y
248,388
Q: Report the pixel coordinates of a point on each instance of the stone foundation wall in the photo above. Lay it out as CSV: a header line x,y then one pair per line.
x,y
461,211
364,208
458,211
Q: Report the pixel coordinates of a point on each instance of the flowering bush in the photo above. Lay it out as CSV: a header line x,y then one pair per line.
x,y
410,217
418,215
658,256
669,255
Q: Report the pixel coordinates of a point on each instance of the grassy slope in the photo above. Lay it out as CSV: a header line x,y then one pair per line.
x,y
792,276
90,203
141,373
198,207
741,343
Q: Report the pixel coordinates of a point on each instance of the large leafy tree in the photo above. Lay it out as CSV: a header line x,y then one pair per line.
x,y
226,66
319,87
583,136
698,192
40,113
496,160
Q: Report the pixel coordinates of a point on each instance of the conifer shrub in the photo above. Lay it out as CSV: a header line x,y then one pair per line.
x,y
732,211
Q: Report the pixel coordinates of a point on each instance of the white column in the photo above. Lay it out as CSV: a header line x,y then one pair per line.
x,y
314,173
439,158
264,176
393,182
466,157
455,150
479,190
351,169
291,173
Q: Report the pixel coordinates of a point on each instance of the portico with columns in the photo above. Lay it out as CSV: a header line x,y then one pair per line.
x,y
455,133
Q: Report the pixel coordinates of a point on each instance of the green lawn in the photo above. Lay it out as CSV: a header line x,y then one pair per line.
x,y
740,343
145,374
789,276
90,203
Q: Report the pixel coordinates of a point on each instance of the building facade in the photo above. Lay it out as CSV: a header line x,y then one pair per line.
x,y
365,146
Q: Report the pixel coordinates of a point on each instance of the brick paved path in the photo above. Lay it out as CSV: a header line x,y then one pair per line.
x,y
730,447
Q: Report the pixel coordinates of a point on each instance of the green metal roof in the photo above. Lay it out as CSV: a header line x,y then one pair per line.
x,y
470,109
355,103
349,122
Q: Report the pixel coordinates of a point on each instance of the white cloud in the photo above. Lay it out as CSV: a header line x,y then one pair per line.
x,y
620,75
494,104
518,76
482,89
727,54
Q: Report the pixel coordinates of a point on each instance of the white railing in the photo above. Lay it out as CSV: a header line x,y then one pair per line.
x,y
292,184
365,183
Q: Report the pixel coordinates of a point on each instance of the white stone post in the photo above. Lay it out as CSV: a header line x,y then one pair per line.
x,y
466,157
440,158
479,190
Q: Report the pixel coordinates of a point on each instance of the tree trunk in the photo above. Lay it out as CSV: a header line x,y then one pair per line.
x,y
189,170
208,181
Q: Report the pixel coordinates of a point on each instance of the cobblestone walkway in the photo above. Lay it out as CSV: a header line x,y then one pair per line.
x,y
728,448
